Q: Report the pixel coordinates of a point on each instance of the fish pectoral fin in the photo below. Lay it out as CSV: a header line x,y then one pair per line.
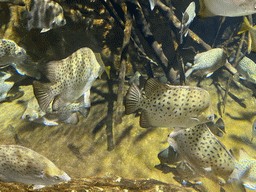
x,y
194,119
144,120
251,186
209,75
208,169
243,155
45,30
132,99
43,94
58,103
188,72
38,187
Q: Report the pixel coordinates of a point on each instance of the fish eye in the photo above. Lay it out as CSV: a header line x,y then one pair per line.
x,y
56,177
254,6
254,128
19,53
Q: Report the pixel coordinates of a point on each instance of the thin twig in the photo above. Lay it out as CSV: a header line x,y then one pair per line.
x,y
231,76
148,36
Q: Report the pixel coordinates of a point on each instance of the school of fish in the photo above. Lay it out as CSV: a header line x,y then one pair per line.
x,y
194,148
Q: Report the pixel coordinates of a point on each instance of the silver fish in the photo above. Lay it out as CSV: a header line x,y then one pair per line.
x,y
245,170
23,165
5,86
46,15
207,62
12,54
70,78
228,8
169,106
247,69
187,17
203,152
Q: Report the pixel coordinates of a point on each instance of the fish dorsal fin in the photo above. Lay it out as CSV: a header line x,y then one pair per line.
x,y
154,85
144,120
208,169
243,155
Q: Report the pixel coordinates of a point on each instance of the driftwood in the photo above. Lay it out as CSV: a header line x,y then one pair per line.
x,y
148,36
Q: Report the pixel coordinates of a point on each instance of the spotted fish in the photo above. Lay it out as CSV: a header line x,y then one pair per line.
x,y
69,78
46,15
245,170
207,62
247,69
203,152
12,54
169,106
228,8
66,114
23,165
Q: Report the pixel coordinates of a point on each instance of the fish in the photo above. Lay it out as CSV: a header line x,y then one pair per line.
x,y
15,56
70,78
227,8
187,18
23,165
204,153
152,4
187,174
247,27
66,114
45,15
5,86
247,69
168,156
169,106
253,129
207,62
245,170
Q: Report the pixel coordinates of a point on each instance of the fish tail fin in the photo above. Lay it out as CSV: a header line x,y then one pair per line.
x,y
84,111
133,97
43,94
245,26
